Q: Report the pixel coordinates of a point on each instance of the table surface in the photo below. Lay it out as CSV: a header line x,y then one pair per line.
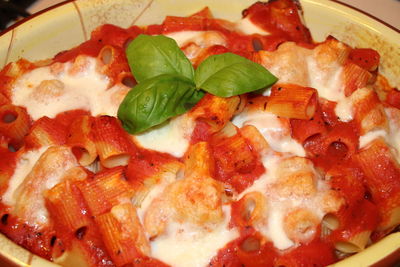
x,y
386,10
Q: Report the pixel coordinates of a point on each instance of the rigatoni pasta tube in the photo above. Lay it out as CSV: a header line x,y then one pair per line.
x,y
368,111
46,132
382,180
301,224
216,111
66,207
252,208
295,177
112,142
14,123
49,170
292,101
80,139
304,129
122,234
354,244
105,190
199,161
355,77
256,139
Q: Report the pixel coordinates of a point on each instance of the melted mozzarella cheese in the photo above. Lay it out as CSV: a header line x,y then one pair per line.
x,y
184,37
330,88
271,128
201,38
189,245
246,26
24,166
391,137
85,90
394,128
208,38
370,136
273,227
172,137
155,192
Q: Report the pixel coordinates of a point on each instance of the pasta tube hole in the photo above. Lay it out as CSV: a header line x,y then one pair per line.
x,y
257,44
128,81
248,209
4,219
312,106
12,148
9,117
330,221
117,160
338,149
53,240
106,55
347,247
81,232
80,153
250,244
127,42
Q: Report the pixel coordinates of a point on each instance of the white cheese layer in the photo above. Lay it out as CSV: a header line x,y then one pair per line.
x,y
372,135
246,26
155,192
201,38
188,245
172,137
209,38
330,87
391,137
273,228
86,89
24,166
271,128
277,206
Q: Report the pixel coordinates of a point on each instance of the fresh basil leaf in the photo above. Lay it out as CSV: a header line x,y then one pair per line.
x,y
228,74
150,56
155,100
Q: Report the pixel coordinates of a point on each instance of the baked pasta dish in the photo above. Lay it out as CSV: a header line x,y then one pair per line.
x,y
200,142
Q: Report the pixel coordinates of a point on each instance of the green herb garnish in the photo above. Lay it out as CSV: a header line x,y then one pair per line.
x,y
169,86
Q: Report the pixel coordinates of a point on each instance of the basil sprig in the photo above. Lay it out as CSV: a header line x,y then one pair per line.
x,y
169,86
155,100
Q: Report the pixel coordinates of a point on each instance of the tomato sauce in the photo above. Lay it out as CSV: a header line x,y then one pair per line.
x,y
279,18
